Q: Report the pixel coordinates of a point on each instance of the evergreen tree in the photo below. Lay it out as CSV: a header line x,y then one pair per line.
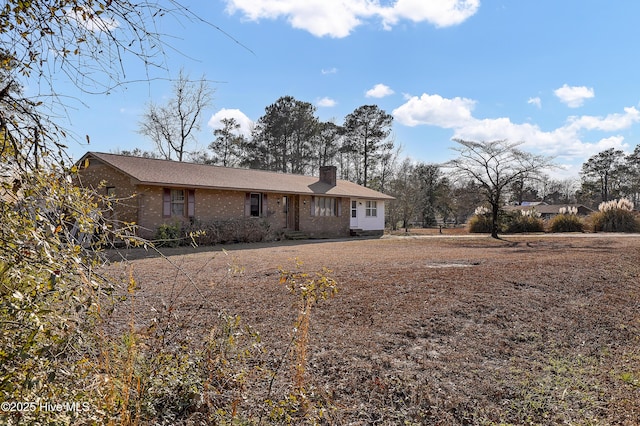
x,y
367,130
227,146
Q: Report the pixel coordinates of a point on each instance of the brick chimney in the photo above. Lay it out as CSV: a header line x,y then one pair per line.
x,y
328,174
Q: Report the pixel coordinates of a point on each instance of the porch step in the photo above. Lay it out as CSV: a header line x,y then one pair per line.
x,y
362,233
295,235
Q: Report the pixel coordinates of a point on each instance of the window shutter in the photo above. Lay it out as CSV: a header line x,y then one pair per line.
x,y
339,202
313,206
265,211
247,204
191,203
166,203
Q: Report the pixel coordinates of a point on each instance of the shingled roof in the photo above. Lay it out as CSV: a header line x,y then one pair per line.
x,y
157,172
550,209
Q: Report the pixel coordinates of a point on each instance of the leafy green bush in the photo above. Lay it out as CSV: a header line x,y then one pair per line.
x,y
169,235
522,221
615,216
564,222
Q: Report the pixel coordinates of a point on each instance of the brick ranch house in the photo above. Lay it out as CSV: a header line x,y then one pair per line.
x,y
163,191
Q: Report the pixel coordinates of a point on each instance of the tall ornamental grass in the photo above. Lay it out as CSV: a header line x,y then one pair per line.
x,y
615,216
523,221
480,222
566,221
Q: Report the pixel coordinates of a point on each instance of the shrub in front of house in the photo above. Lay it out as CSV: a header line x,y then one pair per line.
x,y
243,230
615,216
251,230
480,222
566,221
169,235
522,221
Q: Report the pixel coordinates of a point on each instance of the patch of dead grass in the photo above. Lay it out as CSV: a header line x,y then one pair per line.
x,y
528,330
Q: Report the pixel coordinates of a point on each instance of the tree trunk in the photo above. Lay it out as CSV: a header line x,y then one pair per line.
x,y
495,210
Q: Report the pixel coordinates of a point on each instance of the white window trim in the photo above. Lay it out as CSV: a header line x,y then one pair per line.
x,y
175,201
371,208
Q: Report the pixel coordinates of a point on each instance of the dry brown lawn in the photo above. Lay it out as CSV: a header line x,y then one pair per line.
x,y
537,329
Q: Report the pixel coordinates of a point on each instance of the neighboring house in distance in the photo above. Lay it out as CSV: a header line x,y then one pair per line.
x,y
163,191
547,211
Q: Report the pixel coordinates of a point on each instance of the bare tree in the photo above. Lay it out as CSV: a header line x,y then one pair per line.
x,y
405,189
172,126
433,193
495,166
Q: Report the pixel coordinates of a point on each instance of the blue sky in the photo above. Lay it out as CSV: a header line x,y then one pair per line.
x,y
561,76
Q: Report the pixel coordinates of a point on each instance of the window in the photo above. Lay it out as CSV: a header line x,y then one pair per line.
x,y
354,209
111,191
177,202
371,209
326,206
255,203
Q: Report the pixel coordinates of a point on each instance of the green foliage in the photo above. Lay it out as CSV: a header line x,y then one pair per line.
x,y
605,170
566,223
169,235
367,130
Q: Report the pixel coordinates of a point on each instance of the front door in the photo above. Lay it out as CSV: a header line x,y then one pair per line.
x,y
354,215
291,205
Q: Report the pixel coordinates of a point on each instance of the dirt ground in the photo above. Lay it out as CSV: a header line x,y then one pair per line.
x,y
440,329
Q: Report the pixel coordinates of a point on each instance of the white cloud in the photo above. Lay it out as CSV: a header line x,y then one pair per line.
x,y
326,102
574,96
333,70
434,110
246,124
569,142
535,101
338,18
379,91
610,123
441,13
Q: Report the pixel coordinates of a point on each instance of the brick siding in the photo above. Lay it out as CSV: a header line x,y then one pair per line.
x,y
143,204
